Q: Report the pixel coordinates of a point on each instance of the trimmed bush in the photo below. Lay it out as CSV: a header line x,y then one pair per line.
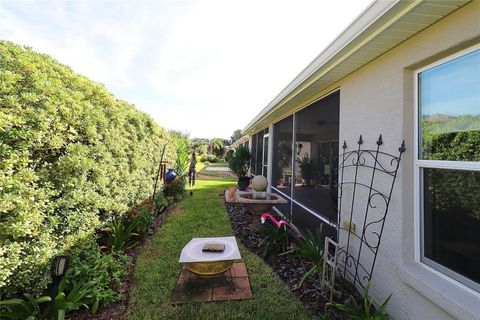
x,y
72,159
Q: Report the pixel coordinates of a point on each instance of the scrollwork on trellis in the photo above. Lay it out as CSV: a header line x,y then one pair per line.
x,y
369,163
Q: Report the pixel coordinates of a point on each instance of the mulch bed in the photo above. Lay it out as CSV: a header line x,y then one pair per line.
x,y
117,310
290,269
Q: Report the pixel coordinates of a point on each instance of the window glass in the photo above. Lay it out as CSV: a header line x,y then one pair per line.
x,y
284,208
265,156
452,220
449,129
304,220
282,155
254,154
259,155
316,156
449,110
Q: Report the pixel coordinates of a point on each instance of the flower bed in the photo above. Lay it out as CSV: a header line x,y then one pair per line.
x,y
289,268
118,309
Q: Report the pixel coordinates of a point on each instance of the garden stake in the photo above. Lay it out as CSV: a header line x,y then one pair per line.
x,y
156,179
58,270
330,253
191,170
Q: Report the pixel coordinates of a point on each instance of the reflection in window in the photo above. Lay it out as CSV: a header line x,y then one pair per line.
x,y
449,109
449,129
282,155
452,220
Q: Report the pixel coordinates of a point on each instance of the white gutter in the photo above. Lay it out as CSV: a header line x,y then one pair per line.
x,y
374,20
365,19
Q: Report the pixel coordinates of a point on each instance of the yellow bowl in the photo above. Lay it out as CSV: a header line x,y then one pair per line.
x,y
209,269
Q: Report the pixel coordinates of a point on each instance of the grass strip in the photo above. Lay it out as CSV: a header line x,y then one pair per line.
x,y
157,269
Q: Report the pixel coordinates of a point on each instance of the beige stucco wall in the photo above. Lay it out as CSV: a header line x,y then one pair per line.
x,y
378,99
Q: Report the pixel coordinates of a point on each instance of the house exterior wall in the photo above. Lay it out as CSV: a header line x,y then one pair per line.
x,y
379,99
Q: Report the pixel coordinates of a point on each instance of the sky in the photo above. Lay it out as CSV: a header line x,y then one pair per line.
x,y
202,67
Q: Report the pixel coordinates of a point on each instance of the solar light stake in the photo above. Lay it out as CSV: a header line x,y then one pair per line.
x,y
58,270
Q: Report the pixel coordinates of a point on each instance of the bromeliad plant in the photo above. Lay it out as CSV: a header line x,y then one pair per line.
x,y
311,249
274,239
28,308
122,236
275,235
79,296
365,311
36,308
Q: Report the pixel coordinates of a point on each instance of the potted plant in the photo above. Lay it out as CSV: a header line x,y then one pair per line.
x,y
239,163
306,166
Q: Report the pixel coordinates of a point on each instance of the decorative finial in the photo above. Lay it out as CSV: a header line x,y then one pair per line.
x,y
379,141
360,140
344,144
402,147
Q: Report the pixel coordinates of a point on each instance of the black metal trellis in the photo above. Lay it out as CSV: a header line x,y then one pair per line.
x,y
365,184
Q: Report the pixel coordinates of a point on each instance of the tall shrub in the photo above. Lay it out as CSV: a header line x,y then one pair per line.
x,y
72,158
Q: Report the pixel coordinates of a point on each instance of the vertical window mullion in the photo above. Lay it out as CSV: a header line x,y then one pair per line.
x,y
294,158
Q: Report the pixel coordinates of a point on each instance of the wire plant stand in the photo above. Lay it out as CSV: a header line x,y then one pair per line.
x,y
366,180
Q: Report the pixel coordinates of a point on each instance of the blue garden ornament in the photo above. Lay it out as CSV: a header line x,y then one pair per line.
x,y
170,175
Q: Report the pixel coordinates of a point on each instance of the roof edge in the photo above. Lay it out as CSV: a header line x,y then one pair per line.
x,y
357,27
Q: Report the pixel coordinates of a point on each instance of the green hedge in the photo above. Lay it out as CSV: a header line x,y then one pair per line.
x,y
72,157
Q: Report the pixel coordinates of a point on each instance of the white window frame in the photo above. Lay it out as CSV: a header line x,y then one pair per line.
x,y
265,154
440,270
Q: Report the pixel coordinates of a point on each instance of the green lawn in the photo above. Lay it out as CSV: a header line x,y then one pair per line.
x,y
218,164
201,166
157,269
219,175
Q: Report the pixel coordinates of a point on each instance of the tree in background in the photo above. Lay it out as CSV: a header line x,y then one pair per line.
x,y
177,134
200,145
237,134
217,147
201,149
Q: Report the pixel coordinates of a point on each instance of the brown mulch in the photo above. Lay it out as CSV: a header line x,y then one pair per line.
x,y
290,268
117,310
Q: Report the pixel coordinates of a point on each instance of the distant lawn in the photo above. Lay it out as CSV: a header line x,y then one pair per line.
x,y
213,174
200,165
219,175
157,269
218,164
